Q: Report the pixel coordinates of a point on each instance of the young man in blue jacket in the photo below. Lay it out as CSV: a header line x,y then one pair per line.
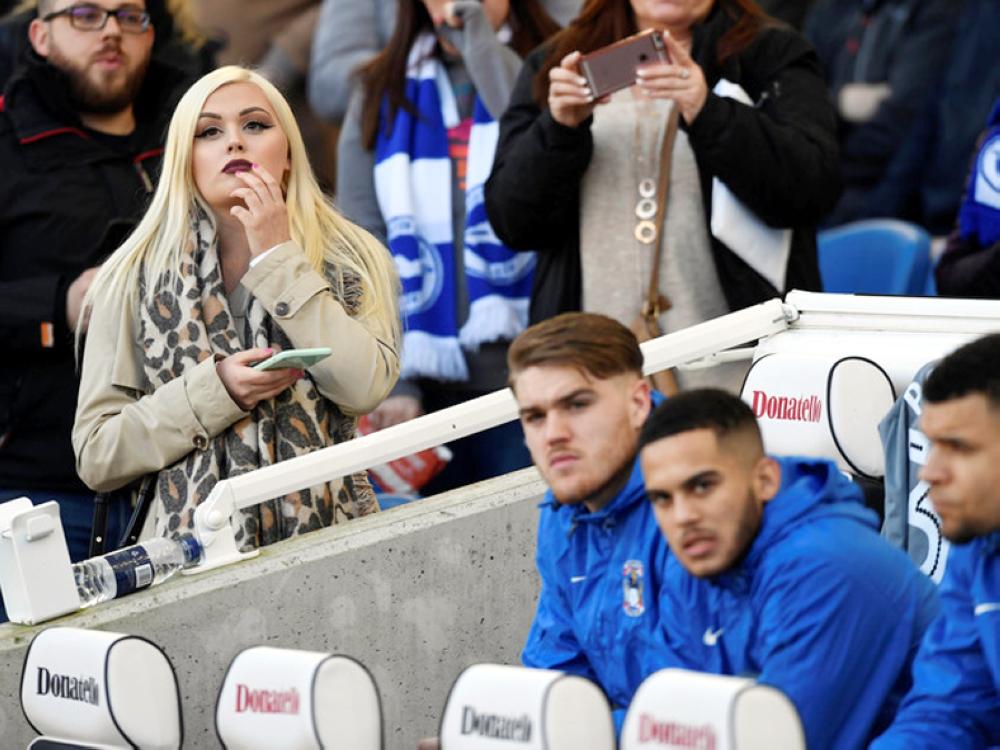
x,y
778,571
955,700
578,382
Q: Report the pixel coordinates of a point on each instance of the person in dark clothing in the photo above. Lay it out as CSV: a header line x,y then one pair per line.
x,y
557,178
82,123
884,59
176,42
970,266
924,181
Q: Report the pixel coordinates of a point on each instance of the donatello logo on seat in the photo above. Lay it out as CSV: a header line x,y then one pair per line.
x,y
83,688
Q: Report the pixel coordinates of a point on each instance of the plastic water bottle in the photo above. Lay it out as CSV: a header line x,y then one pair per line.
x,y
134,568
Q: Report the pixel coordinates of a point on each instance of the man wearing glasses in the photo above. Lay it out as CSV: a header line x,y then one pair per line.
x,y
81,126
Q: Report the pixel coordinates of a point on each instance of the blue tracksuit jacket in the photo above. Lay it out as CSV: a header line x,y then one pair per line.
x,y
955,700
820,607
601,572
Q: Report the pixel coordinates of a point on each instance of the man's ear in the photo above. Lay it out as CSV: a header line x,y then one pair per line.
x,y
38,35
640,403
766,478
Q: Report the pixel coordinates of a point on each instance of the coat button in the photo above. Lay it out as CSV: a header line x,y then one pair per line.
x,y
281,308
200,441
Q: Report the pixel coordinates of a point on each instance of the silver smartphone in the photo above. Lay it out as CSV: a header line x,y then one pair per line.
x,y
612,68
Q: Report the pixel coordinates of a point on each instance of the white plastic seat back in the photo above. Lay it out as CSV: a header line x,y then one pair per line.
x,y
493,705
285,699
35,573
679,708
99,689
824,406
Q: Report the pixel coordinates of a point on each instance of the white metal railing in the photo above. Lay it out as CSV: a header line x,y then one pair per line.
x,y
213,516
701,345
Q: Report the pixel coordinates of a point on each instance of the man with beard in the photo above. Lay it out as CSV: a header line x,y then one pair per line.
x,y
81,127
955,700
578,383
778,571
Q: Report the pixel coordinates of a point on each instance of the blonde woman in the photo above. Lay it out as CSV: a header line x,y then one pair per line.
x,y
239,255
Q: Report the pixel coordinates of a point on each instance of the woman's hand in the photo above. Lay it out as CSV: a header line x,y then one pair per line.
x,y
442,12
395,410
248,387
681,80
570,98
265,217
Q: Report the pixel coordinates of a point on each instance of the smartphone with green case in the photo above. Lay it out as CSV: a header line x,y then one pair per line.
x,y
298,359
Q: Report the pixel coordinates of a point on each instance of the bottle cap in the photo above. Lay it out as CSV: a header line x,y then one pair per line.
x,y
191,548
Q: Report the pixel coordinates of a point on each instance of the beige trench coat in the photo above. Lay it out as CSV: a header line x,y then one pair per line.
x,y
124,429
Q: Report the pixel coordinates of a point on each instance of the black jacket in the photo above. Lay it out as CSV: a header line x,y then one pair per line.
x,y
779,158
68,197
902,43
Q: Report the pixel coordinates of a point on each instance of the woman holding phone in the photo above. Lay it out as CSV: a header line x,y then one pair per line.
x,y
416,147
238,256
603,188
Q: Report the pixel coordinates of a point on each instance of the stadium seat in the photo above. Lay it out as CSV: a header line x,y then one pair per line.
x,y
930,288
877,256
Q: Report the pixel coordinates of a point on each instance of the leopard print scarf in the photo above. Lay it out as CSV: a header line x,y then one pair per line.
x,y
187,321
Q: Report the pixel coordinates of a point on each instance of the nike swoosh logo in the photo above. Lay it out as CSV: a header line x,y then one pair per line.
x,y
711,637
987,607
577,579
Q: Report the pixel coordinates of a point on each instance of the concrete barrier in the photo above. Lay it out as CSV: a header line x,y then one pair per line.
x,y
416,593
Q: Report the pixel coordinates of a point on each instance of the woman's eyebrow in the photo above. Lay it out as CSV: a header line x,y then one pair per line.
x,y
246,111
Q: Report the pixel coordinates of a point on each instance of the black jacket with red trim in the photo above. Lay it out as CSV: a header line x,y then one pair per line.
x,y
68,197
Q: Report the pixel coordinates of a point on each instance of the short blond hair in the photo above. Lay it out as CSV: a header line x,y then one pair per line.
x,y
595,344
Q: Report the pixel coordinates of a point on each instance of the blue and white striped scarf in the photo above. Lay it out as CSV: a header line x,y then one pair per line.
x,y
413,184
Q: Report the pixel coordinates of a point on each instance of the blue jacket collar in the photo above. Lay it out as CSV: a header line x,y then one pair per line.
x,y
991,543
810,488
630,495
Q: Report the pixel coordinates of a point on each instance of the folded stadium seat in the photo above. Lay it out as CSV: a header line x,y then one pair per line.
x,y
824,406
681,708
298,700
495,705
876,256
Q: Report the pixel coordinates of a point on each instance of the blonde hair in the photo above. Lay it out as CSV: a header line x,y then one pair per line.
x,y
165,231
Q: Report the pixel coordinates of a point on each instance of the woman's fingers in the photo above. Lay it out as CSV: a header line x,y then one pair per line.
x,y
264,393
265,217
257,186
678,55
269,182
249,197
570,99
248,386
663,75
571,62
579,94
567,75
251,356
681,80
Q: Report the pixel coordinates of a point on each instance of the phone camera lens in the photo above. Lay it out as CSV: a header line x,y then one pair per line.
x,y
643,57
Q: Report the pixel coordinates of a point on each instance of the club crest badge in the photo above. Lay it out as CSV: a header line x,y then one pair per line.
x,y
632,589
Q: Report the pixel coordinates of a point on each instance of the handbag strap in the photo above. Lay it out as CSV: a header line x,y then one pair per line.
x,y
655,302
